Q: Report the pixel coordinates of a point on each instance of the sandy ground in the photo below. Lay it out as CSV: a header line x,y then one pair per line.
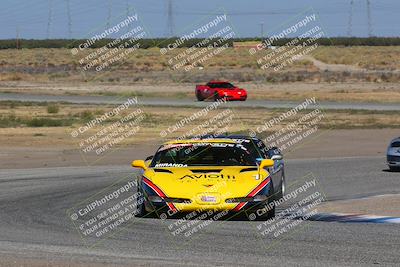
x,y
7,261
327,143
345,143
385,205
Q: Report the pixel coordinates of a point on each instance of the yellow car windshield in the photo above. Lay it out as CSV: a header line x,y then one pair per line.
x,y
203,154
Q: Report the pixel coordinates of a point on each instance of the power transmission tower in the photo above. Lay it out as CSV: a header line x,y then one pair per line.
x,y
69,19
350,25
109,13
262,30
17,37
128,8
49,19
369,18
128,12
170,19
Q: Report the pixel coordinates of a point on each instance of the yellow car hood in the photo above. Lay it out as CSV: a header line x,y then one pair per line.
x,y
192,182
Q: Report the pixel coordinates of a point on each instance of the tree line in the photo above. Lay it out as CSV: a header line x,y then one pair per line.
x,y
164,42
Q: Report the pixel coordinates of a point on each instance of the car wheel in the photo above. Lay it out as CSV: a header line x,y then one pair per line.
x,y
199,98
216,96
393,168
140,208
282,190
271,213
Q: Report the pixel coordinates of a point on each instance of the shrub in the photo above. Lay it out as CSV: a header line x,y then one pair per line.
x,y
43,122
87,115
53,108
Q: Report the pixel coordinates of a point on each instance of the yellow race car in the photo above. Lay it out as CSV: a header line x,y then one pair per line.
x,y
204,175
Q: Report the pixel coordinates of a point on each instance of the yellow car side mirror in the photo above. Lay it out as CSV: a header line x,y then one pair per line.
x,y
266,163
139,164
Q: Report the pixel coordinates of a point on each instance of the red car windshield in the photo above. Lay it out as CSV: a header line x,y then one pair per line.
x,y
221,85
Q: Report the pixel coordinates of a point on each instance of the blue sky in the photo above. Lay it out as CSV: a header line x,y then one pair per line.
x,y
31,17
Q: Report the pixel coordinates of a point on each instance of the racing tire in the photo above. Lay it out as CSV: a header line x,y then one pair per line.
x,y
269,214
199,98
216,96
140,207
282,190
394,169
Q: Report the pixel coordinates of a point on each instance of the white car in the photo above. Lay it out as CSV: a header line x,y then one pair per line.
x,y
393,154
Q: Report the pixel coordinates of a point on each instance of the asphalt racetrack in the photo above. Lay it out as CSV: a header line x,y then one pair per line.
x,y
192,103
34,224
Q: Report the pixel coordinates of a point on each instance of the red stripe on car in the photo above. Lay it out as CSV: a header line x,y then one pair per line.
x,y
253,193
159,192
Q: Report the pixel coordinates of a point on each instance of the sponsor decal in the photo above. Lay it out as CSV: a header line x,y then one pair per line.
x,y
241,140
171,165
214,144
208,199
207,176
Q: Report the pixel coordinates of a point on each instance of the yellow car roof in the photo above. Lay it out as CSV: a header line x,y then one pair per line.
x,y
195,141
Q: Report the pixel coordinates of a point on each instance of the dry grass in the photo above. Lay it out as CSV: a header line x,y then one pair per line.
x,y
148,65
158,119
141,60
369,57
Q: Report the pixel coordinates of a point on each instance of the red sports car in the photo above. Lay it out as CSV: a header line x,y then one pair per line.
x,y
218,89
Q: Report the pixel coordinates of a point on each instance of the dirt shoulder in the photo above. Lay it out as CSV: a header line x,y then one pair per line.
x,y
330,143
384,205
